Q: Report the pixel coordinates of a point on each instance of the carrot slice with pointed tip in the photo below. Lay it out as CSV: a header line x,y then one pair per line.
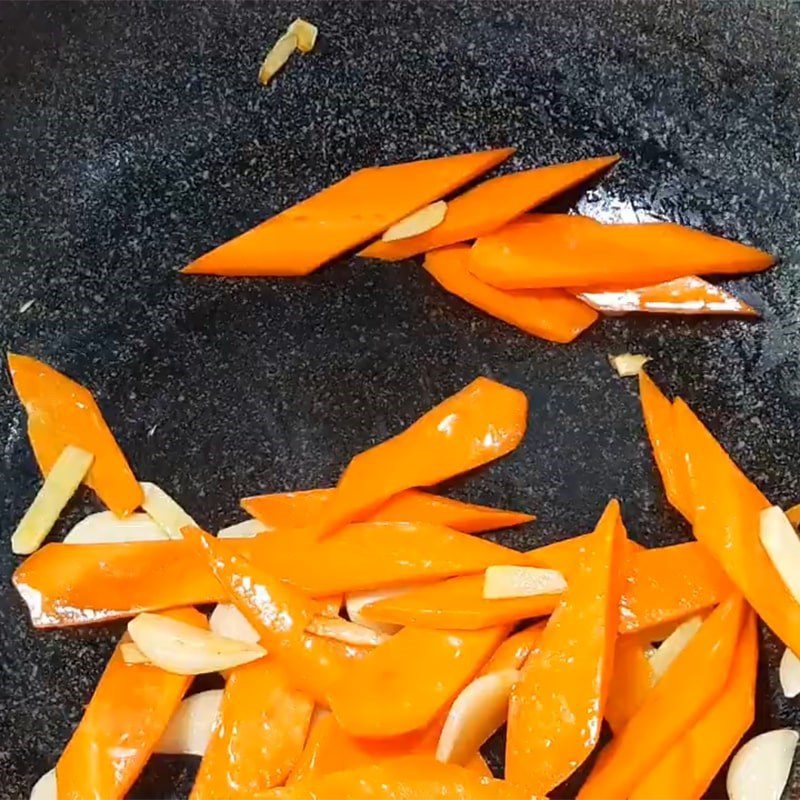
x,y
687,295
482,422
514,651
491,204
258,735
62,412
304,237
404,683
686,691
552,314
556,708
121,726
726,523
659,419
631,680
555,250
299,509
689,766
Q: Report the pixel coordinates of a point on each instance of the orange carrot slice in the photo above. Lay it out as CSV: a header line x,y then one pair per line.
x,y
554,250
62,412
409,778
551,314
689,766
482,422
631,681
659,420
404,683
492,204
258,736
307,235
299,509
687,295
686,690
121,726
726,522
514,651
556,709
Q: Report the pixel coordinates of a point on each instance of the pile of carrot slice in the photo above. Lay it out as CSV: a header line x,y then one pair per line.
x,y
550,275
371,641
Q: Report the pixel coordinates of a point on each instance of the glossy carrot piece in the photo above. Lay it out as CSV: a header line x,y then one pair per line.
x,y
258,736
556,709
551,314
554,250
659,419
493,203
686,690
404,683
280,613
726,523
687,295
62,412
409,778
482,422
299,509
130,708
514,651
304,237
689,766
631,681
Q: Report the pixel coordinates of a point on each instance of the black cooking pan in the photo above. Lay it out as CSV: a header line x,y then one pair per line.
x,y
134,137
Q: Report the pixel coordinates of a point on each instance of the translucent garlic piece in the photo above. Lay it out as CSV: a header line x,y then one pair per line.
x,y
422,221
227,620
628,365
165,511
673,646
306,34
242,530
345,631
189,730
107,528
780,540
277,57
502,582
354,602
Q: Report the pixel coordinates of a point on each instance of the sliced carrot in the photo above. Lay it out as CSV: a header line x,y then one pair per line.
x,y
482,422
121,726
62,412
631,680
514,651
552,314
554,250
686,690
659,420
687,295
689,766
343,216
492,204
726,522
404,683
258,735
409,778
556,709
299,509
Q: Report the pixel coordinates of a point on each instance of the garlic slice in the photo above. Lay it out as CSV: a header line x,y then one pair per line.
x,y
628,365
131,654
345,631
780,540
502,582
165,511
226,620
105,527
421,221
277,57
189,730
45,788
761,767
673,646
789,673
354,602
60,484
186,649
247,529
306,34
480,709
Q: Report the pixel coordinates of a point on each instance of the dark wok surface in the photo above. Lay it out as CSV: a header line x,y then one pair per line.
x,y
134,137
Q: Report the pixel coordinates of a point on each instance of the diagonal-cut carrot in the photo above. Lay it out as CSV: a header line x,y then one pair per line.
x,y
686,690
726,522
514,651
62,412
404,683
482,422
688,295
554,250
557,707
631,681
689,766
410,778
491,204
123,723
343,216
659,419
299,509
552,314
258,735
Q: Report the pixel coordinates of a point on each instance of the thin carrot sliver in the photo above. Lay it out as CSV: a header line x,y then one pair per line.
x,y
514,651
631,681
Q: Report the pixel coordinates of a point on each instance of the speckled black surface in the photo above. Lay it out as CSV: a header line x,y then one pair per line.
x,y
135,136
